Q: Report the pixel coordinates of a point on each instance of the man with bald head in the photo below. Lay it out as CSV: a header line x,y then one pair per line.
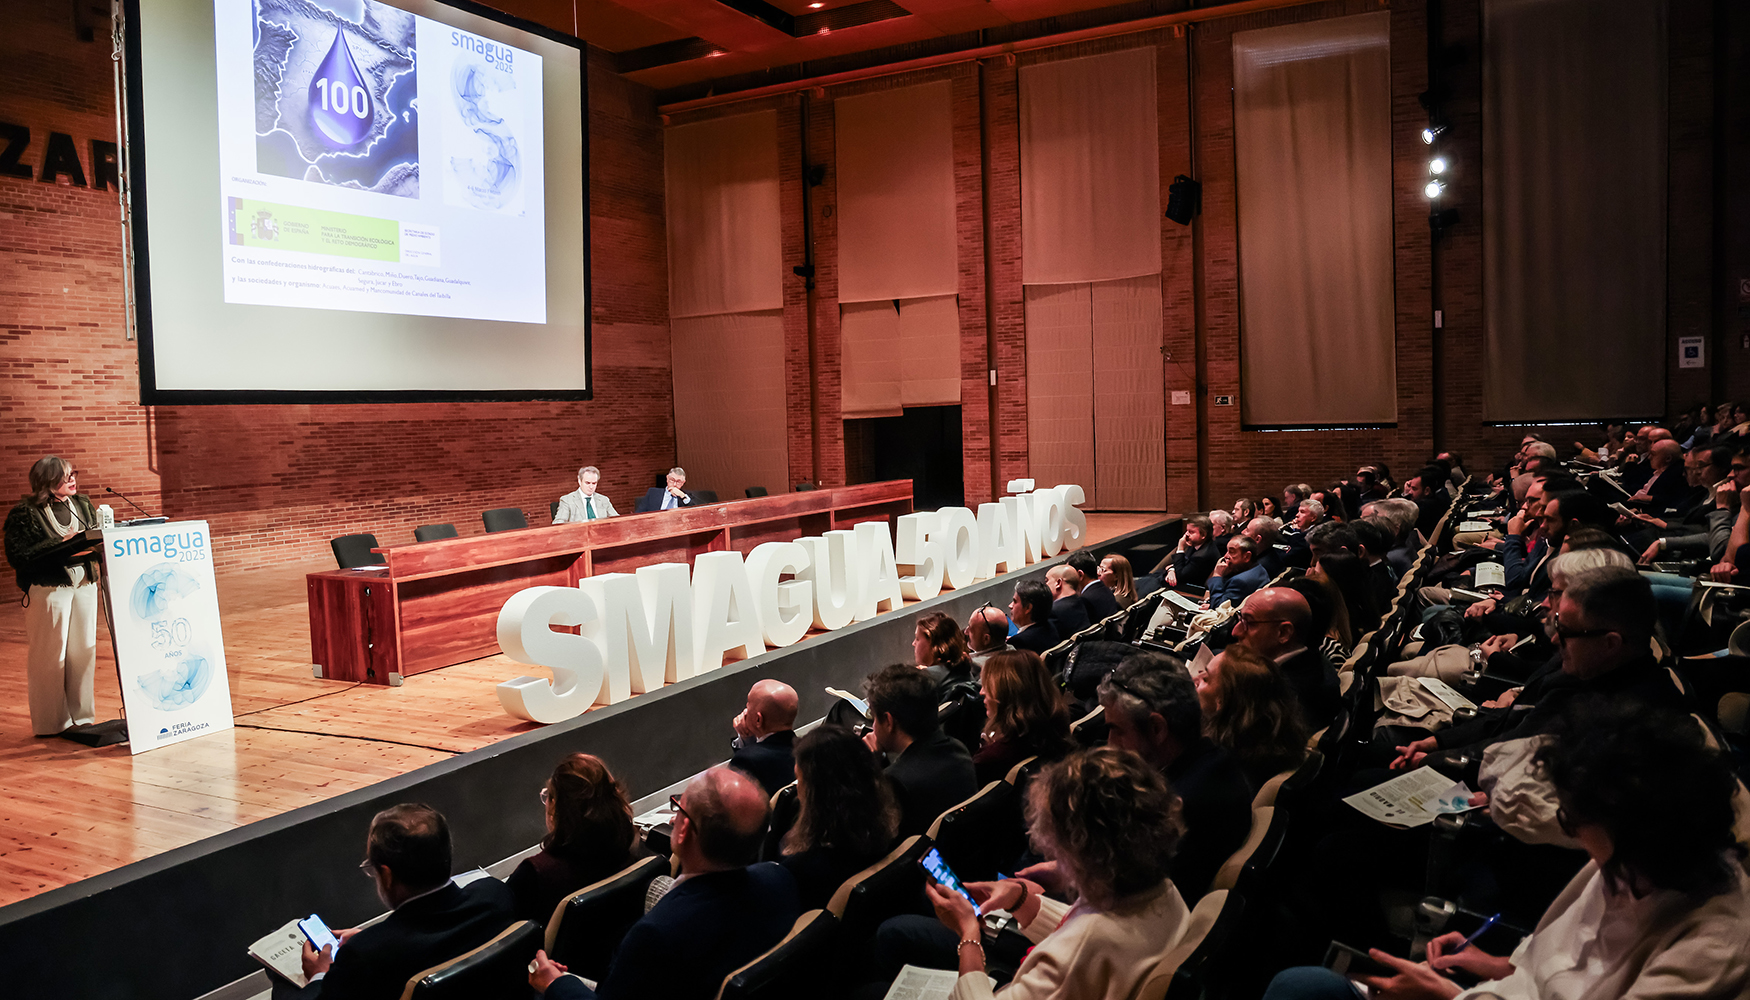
x,y
722,912
765,735
1667,480
987,634
1275,623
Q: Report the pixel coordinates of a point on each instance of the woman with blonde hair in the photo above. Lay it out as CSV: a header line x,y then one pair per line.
x,y
60,600
1116,574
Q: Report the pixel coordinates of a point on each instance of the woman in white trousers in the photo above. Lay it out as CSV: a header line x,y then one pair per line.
x,y
60,617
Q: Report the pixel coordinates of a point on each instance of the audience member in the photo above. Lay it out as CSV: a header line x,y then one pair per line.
x,y
1354,582
1116,574
589,837
1191,561
1265,533
1268,507
431,920
1660,908
1331,538
1030,610
765,731
1069,612
930,770
1237,575
667,497
1101,602
987,634
1250,711
846,819
584,503
722,911
1221,525
939,648
1025,715
1243,510
1275,623
1109,824
1375,539
1152,708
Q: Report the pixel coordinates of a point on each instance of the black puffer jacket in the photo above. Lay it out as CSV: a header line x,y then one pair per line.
x,y
28,537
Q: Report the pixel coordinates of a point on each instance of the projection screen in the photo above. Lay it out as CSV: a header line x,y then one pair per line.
x,y
356,201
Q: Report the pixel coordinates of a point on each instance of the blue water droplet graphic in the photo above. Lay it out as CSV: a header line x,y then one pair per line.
x,y
341,107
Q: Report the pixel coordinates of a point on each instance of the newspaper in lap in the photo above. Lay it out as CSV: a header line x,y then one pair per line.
x,y
914,983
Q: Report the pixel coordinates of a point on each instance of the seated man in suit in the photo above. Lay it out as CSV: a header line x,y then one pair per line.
x,y
1069,611
1151,705
1237,574
765,734
407,855
1265,533
930,770
1102,603
670,497
1190,562
987,634
722,912
1275,623
1307,515
1030,610
585,504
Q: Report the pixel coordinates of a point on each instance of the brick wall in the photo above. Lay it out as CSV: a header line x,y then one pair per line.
x,y
278,481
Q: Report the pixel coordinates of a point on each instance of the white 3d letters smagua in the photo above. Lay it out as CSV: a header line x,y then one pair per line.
x,y
786,609
644,627
1075,523
830,568
1024,526
961,552
881,591
725,619
918,548
998,549
1048,513
525,633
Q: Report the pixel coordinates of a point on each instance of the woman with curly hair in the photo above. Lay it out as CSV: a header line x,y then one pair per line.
x,y
847,819
1250,709
589,837
1111,824
1659,911
939,647
1025,714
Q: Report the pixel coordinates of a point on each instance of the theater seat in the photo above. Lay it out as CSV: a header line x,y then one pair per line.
x,y
981,835
792,968
785,808
552,510
703,496
1257,854
756,491
433,532
886,888
504,519
1289,787
355,550
498,968
586,926
1186,970
804,487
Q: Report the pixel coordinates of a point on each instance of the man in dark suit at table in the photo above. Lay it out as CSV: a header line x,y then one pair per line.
x,y
765,735
431,921
722,912
1030,610
670,497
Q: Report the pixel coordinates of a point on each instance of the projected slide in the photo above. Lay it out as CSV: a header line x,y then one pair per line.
x,y
373,160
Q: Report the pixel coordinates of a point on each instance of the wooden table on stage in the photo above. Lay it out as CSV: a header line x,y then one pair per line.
x,y
436,603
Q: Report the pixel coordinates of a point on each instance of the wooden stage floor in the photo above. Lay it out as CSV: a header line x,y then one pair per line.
x,y
68,812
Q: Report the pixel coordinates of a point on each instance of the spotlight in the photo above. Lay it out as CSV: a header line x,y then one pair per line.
x,y
1434,188
1431,133
816,6
1437,165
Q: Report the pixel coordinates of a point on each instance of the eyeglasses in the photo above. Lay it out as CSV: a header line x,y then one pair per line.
x,y
546,796
1118,685
1251,622
675,800
369,869
1564,633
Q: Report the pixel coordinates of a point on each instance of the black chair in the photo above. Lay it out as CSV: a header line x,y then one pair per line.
x,y
886,888
703,496
786,807
433,532
504,519
586,926
497,969
756,491
553,510
351,551
792,968
804,487
982,835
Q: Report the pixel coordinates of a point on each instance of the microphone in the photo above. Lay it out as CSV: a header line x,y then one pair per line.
x,y
131,503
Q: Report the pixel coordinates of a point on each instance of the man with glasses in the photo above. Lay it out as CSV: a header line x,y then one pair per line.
x,y
407,856
1275,623
723,911
987,634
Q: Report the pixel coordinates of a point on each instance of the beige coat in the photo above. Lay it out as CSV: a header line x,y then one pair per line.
x,y
1085,954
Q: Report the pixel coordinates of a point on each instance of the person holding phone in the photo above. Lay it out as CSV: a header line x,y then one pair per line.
x,y
1111,823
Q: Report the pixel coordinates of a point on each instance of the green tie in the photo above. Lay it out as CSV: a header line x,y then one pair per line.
x,y
589,508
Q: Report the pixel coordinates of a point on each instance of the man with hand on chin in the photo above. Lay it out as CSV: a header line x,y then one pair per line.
x,y
670,497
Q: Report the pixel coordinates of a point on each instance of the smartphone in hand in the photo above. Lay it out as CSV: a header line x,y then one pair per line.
x,y
944,876
1351,962
318,934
